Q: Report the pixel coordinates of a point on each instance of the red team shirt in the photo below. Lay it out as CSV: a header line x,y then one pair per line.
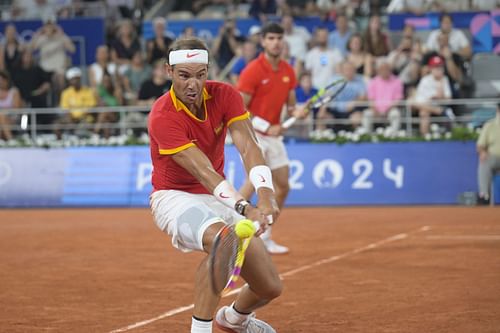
x,y
269,88
173,128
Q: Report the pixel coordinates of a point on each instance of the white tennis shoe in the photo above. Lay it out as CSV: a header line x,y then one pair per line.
x,y
274,248
249,325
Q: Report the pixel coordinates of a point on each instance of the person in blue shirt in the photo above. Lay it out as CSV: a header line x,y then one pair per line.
x,y
350,102
248,53
304,92
338,39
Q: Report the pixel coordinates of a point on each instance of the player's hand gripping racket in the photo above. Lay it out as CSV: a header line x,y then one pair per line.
x,y
322,97
228,254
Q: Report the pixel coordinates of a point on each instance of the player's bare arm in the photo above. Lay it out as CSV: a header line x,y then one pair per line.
x,y
197,164
245,141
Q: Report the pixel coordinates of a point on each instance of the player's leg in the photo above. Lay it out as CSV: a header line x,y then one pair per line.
x,y
192,224
263,285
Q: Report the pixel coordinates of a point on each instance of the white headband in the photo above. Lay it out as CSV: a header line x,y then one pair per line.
x,y
188,57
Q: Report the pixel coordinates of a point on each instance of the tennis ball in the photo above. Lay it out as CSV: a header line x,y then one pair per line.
x,y
244,229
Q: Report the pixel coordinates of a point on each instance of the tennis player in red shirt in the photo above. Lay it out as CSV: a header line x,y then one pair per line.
x,y
191,200
267,84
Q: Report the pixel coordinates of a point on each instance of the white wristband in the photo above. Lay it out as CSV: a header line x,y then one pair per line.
x,y
261,176
227,194
260,124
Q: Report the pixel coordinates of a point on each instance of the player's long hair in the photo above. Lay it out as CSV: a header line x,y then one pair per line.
x,y
187,43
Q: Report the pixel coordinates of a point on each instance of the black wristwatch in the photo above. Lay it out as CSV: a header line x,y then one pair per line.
x,y
241,206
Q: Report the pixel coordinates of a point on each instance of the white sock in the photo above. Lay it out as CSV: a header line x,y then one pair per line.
x,y
267,234
233,316
201,326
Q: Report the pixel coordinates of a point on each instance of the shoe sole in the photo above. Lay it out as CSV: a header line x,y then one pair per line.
x,y
225,329
278,253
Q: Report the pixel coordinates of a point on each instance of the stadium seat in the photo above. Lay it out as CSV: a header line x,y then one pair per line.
x,y
486,75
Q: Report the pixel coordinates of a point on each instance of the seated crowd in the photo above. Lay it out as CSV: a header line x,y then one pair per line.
x,y
130,72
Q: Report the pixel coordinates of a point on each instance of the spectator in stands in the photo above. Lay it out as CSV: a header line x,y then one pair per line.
x,y
297,64
297,37
304,92
377,42
261,9
356,54
406,59
433,86
348,103
384,91
125,45
225,45
155,87
53,45
108,95
451,5
135,76
254,36
417,7
457,40
158,46
248,53
322,61
101,65
77,99
36,9
488,148
299,7
10,51
484,4
454,67
9,99
338,39
33,83
188,31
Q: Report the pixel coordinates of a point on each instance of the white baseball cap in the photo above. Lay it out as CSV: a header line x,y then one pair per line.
x,y
73,72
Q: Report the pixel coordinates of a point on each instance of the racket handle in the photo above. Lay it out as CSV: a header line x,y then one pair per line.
x,y
289,122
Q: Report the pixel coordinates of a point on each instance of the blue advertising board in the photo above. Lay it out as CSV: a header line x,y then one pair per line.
x,y
321,174
87,34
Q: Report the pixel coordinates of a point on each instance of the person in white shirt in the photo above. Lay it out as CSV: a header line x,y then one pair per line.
x,y
433,86
322,61
457,40
296,37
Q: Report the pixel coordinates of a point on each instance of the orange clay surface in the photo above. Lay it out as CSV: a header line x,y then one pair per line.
x,y
100,270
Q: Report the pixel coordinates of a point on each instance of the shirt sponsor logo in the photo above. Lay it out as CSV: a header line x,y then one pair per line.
x,y
265,81
219,128
286,79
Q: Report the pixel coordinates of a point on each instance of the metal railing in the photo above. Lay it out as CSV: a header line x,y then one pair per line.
x,y
26,121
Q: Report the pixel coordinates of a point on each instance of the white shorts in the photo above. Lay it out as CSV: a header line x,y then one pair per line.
x,y
274,151
186,216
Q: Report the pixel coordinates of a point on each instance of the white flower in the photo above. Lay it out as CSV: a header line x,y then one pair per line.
x,y
379,131
447,135
428,136
355,137
436,136
434,128
401,133
342,133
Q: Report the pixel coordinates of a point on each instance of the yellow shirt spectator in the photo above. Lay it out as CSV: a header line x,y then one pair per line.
x,y
78,101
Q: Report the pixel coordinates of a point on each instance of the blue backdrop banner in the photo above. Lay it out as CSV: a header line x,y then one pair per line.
x,y
321,174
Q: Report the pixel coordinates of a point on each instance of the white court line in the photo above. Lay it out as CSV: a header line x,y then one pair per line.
x,y
282,276
465,237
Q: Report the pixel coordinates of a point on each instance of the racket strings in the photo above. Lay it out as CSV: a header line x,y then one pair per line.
x,y
224,257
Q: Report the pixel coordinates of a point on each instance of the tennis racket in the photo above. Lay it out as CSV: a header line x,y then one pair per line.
x,y
322,97
228,254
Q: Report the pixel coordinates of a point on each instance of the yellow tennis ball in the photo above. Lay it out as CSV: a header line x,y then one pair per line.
x,y
244,229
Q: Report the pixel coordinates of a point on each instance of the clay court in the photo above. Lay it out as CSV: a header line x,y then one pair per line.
x,y
410,269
